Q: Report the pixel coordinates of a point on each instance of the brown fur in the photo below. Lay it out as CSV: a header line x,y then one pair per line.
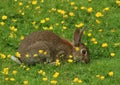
x,y
47,41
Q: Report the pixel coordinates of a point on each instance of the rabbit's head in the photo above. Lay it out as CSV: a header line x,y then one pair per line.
x,y
81,52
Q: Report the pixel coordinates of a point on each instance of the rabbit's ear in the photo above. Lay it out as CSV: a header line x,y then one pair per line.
x,y
78,36
81,34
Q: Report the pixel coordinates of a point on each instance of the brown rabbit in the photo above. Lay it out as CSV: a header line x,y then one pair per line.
x,y
45,46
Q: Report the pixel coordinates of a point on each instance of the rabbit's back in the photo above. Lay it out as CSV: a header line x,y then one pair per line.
x,y
35,37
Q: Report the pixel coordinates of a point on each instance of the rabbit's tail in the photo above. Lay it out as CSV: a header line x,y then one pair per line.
x,y
16,59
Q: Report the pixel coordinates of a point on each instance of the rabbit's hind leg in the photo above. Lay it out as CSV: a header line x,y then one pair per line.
x,y
37,53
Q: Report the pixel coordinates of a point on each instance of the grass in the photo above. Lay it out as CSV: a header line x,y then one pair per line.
x,y
19,18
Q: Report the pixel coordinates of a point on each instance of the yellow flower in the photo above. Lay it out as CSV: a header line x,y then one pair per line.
x,y
83,8
70,60
62,22
89,34
9,55
27,69
33,23
24,66
14,20
22,37
104,45
112,54
64,28
79,25
102,77
6,79
100,30
45,28
93,39
34,2
98,14
27,55
17,54
77,80
47,19
6,71
70,56
117,44
12,28
57,63
98,21
57,24
14,72
27,6
35,55
12,79
97,75
45,53
20,3
40,51
89,0
61,11
111,73
77,48
23,13
44,79
113,30
2,23
71,14
36,27
38,7
106,9
75,7
118,2
12,35
42,1
25,82
42,21
65,16
56,74
53,9
20,11
72,3
2,55
90,10
95,42
4,17
51,28
54,82
41,72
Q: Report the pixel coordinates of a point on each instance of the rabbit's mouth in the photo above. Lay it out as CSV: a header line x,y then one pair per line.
x,y
77,59
82,60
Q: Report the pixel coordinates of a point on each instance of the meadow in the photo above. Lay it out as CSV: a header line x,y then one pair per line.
x,y
19,18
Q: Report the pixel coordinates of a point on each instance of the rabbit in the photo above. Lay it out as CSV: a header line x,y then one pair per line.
x,y
52,47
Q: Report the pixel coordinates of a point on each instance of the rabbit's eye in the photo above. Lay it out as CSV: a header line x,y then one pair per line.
x,y
83,51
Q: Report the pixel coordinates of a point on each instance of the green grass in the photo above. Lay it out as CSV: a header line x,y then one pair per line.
x,y
101,60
